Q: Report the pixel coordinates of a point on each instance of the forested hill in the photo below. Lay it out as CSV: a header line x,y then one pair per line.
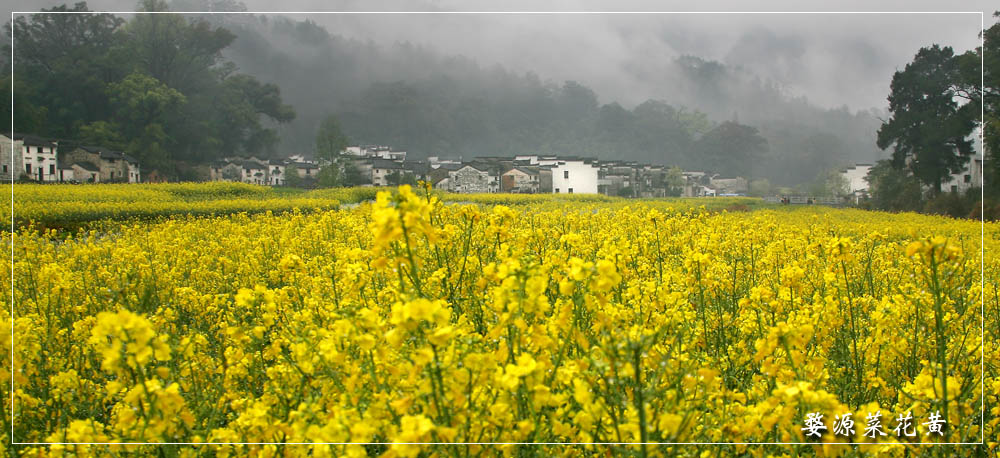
x,y
173,91
431,104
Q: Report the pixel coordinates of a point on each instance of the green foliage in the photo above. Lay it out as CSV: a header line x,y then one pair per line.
x,y
830,183
675,181
330,141
731,149
353,176
893,189
292,178
155,86
953,204
329,176
398,177
760,188
927,129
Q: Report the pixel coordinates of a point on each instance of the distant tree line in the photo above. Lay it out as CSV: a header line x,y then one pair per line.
x,y
935,104
165,88
155,86
430,104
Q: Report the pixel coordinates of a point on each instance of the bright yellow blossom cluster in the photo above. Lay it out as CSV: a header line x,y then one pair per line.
x,y
411,321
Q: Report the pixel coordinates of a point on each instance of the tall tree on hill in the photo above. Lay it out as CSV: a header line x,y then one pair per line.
x,y
330,141
927,129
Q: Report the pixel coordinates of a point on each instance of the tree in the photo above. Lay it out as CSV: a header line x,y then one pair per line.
x,y
830,183
401,177
981,85
62,69
675,181
329,176
760,188
142,104
893,189
353,176
731,148
926,129
330,141
292,178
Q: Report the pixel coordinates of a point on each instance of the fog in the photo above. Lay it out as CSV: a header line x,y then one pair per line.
x,y
832,59
795,76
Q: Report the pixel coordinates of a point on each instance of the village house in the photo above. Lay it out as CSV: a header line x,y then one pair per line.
x,y
617,178
521,180
856,177
254,171
971,177
469,179
275,172
82,172
114,166
251,170
729,186
30,157
574,176
382,169
375,151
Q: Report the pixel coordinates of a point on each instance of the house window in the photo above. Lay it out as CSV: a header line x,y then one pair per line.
x,y
968,178
565,173
557,190
570,190
5,170
27,169
52,169
954,188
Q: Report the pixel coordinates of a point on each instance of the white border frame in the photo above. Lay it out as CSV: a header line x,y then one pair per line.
x,y
982,253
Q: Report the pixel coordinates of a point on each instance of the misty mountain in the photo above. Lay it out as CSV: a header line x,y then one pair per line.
x,y
428,103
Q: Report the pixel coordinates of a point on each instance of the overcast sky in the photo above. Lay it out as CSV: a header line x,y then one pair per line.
x,y
832,59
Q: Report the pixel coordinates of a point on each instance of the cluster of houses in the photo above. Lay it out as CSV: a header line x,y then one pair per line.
x,y
24,156
526,174
855,177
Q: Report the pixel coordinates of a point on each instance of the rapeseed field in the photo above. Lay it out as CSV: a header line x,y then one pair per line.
x,y
406,322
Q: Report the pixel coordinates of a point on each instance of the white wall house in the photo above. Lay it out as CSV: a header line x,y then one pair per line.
x,y
855,176
254,172
972,177
574,177
276,173
28,155
11,165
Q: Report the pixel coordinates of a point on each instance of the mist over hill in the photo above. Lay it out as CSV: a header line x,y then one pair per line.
x,y
428,103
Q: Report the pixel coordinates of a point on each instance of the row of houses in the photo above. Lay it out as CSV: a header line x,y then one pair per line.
x,y
377,165
270,172
856,178
532,173
29,157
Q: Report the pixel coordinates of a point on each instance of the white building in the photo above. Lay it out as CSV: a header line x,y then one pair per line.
x,y
574,176
971,177
276,173
856,177
254,172
30,156
375,151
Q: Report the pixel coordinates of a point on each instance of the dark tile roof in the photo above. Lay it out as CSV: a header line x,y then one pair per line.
x,y
379,163
33,140
88,166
